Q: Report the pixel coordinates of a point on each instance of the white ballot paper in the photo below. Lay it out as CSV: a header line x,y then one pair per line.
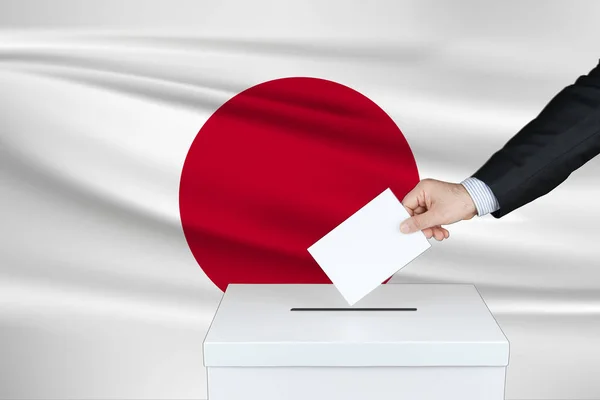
x,y
368,247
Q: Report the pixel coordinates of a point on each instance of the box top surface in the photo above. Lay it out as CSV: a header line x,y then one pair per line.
x,y
254,325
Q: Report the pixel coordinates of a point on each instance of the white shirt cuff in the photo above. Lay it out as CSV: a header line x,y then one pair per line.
x,y
482,196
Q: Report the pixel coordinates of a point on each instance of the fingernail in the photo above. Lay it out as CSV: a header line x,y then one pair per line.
x,y
404,228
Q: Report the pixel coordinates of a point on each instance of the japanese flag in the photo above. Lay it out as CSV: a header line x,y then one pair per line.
x,y
151,152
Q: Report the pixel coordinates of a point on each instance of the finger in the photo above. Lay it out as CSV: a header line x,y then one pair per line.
x,y
438,234
411,200
419,222
428,232
446,233
420,210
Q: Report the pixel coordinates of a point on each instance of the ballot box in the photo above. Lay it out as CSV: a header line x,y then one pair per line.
x,y
402,341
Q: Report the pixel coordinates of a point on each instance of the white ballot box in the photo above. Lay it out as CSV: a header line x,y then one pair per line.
x,y
401,341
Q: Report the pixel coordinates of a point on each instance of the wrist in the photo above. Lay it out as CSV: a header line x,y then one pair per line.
x,y
469,208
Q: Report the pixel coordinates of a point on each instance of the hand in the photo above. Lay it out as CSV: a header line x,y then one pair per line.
x,y
434,203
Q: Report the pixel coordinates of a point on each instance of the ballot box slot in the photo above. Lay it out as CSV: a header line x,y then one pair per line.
x,y
353,309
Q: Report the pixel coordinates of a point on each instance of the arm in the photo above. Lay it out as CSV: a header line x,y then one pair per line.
x,y
563,137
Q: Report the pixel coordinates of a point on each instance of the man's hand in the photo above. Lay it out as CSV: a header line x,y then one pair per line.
x,y
434,203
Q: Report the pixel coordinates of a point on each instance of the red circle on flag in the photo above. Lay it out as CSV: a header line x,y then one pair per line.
x,y
276,168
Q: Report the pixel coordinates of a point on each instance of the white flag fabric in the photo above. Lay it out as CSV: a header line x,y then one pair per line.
x,y
100,293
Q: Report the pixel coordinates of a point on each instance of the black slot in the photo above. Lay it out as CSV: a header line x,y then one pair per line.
x,y
354,309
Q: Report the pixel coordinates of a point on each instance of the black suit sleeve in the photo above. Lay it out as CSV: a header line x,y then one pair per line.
x,y
563,137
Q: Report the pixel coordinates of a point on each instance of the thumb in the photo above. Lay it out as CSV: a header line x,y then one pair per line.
x,y
418,222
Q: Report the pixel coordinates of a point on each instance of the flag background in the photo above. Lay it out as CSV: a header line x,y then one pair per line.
x,y
100,296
